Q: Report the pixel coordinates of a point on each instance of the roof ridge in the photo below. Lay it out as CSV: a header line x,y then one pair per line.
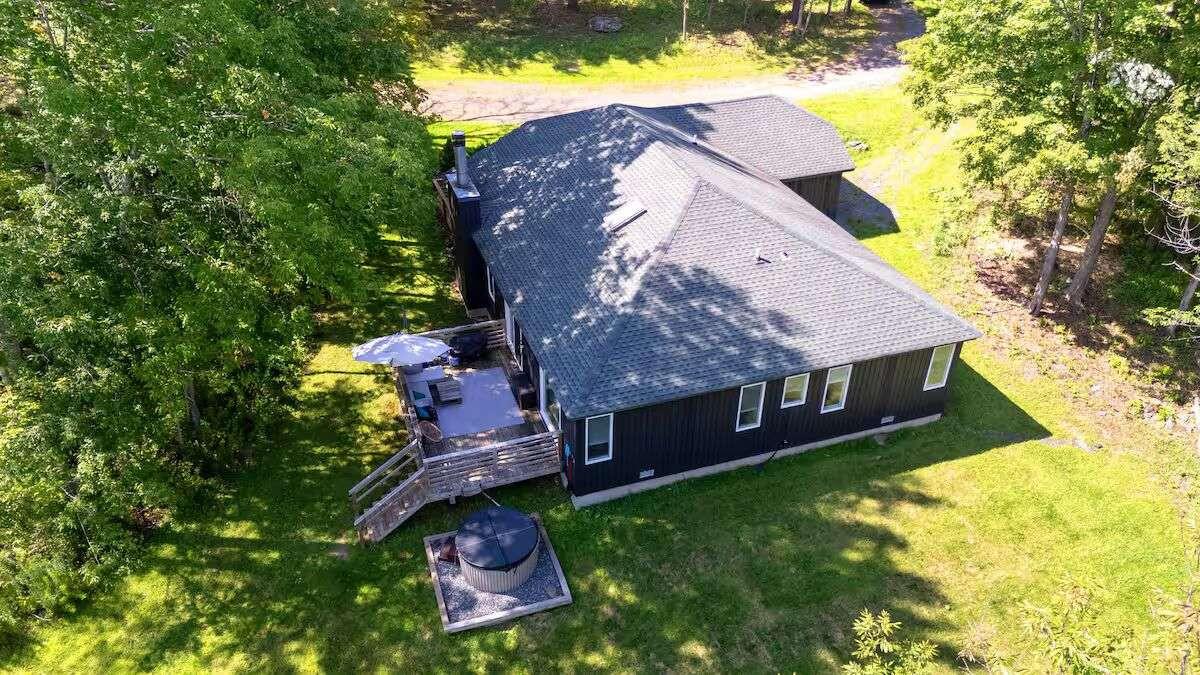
x,y
656,257
751,97
774,184
924,298
664,127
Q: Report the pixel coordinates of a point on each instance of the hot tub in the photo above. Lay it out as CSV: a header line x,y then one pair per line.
x,y
497,548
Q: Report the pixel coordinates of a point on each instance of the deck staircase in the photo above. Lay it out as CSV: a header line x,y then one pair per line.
x,y
399,487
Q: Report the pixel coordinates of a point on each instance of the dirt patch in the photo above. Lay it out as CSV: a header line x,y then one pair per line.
x,y
1099,356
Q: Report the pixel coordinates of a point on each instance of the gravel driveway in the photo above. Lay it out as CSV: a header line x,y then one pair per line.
x,y
876,65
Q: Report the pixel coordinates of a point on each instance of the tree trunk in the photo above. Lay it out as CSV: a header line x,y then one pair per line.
x,y
189,397
10,356
800,15
849,7
1051,259
573,5
1185,302
708,12
1091,254
685,11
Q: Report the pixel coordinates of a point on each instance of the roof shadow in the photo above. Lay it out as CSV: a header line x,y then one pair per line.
x,y
862,214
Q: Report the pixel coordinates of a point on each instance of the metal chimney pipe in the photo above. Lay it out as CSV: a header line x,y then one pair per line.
x,y
461,177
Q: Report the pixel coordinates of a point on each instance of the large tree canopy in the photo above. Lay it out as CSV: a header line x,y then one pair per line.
x,y
179,184
1063,94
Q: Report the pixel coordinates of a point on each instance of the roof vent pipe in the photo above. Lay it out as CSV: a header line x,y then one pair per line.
x,y
461,177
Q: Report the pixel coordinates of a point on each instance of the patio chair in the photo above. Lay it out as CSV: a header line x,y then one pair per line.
x,y
468,346
446,390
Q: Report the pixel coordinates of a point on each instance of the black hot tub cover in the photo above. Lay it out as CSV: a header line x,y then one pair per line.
x,y
496,538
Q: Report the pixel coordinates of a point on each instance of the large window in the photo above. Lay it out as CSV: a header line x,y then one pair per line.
x,y
750,406
795,391
551,414
598,443
837,384
939,367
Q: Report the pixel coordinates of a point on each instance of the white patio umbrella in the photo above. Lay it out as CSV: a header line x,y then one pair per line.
x,y
400,349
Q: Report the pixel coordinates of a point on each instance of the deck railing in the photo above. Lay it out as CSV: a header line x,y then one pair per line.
x,y
467,472
457,474
493,328
385,477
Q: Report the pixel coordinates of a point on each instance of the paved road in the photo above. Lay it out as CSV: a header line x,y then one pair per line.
x,y
876,65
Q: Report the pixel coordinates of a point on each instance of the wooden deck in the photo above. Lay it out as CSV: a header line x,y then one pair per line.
x,y
496,356
489,437
458,466
406,486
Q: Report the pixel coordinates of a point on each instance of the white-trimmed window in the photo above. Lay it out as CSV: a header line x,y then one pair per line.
x,y
750,402
795,391
551,412
598,439
510,329
491,284
837,385
939,367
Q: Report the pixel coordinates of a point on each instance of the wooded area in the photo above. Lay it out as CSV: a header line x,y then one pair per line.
x,y
1085,110
179,188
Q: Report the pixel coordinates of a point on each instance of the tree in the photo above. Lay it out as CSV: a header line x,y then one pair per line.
x,y
1048,83
180,185
1176,185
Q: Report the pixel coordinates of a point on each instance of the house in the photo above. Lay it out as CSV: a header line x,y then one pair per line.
x,y
672,283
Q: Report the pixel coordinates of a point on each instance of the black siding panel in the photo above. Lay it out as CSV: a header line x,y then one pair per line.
x,y
467,260
699,431
820,191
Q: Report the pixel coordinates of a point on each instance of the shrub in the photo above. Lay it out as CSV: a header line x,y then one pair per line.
x,y
878,652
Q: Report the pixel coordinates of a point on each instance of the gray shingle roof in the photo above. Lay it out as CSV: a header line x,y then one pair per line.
x,y
782,139
727,278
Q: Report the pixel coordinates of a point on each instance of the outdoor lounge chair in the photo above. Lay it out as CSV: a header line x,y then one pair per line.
x,y
446,390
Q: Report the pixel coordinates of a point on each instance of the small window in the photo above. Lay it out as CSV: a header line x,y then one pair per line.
x,y
837,383
750,406
624,215
598,442
939,367
491,285
795,391
551,411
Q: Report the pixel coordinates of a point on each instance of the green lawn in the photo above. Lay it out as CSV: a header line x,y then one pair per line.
x,y
554,46
950,526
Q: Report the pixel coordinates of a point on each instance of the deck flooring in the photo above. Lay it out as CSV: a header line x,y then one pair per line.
x,y
533,424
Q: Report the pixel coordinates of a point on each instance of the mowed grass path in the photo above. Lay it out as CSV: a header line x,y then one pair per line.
x,y
950,527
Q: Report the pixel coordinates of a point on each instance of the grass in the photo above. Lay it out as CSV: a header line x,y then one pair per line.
x,y
950,527
544,43
479,134
882,118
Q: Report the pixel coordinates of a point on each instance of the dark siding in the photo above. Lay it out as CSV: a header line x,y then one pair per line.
x,y
470,274
468,263
699,431
820,191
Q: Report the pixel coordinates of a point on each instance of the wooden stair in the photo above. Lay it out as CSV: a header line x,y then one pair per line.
x,y
457,474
